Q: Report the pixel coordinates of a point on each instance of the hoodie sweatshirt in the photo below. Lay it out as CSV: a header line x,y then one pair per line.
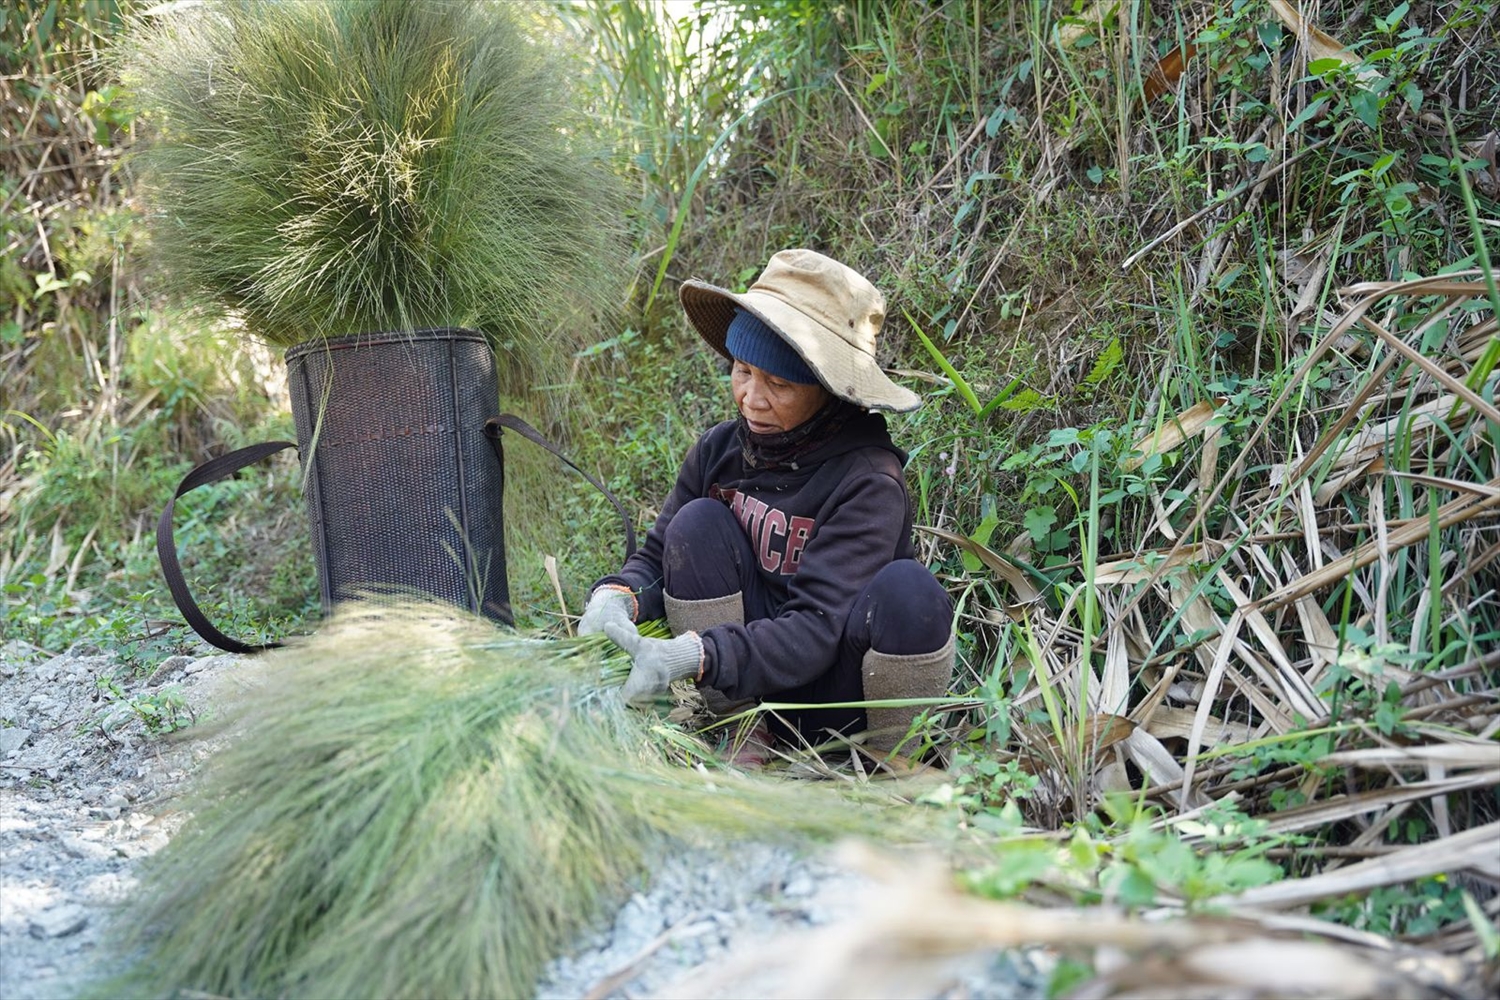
x,y
821,531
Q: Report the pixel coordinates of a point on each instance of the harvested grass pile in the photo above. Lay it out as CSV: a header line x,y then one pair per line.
x,y
418,805
331,167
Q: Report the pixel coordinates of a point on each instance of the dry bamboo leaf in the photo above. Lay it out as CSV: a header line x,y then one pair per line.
x,y
1025,591
1114,685
1471,565
1309,519
1345,807
1163,520
1312,286
1295,688
1208,465
1417,423
1471,848
1320,44
1092,19
1378,380
1453,383
1457,754
1302,698
1476,339
1211,685
1161,768
1177,723
1167,71
1199,618
1189,423
1454,512
1456,485
1335,484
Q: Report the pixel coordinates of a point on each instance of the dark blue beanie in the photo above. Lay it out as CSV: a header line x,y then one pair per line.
x,y
753,342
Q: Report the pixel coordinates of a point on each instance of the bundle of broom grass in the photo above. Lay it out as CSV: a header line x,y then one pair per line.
x,y
416,803
329,167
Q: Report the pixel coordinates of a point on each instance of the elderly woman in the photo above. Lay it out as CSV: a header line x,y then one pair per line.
x,y
783,559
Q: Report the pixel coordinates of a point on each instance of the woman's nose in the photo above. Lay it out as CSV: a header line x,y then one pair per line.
x,y
755,398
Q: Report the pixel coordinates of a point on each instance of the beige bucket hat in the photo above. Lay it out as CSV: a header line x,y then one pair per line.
x,y
828,313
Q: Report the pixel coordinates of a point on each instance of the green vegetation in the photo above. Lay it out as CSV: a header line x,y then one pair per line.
x,y
1202,301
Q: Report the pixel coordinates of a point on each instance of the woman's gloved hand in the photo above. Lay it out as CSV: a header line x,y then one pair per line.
x,y
610,603
658,662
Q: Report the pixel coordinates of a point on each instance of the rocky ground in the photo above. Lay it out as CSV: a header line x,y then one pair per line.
x,y
85,792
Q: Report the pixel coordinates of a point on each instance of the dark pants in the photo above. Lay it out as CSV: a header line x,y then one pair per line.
x,y
902,611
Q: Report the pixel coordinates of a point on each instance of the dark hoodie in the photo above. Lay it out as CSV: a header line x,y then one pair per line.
x,y
822,530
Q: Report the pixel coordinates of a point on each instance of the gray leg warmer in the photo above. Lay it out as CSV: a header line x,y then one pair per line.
x,y
696,616
920,675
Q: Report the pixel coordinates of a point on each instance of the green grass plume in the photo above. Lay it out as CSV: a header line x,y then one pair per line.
x,y
418,804
329,167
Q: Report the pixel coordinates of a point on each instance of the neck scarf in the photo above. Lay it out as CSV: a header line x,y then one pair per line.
x,y
785,449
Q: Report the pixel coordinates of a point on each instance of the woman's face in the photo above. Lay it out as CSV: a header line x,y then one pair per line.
x,y
769,404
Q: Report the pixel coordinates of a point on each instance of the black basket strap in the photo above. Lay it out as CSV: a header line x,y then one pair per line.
x,y
166,544
492,431
227,465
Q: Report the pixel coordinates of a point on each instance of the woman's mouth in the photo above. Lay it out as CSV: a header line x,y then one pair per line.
x,y
756,427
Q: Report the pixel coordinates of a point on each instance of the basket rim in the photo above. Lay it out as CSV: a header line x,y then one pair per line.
x,y
378,338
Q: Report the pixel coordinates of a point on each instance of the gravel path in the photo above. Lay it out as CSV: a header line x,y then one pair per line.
x,y
84,795
82,799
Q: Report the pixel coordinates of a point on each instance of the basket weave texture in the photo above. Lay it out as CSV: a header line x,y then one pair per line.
x,y
404,491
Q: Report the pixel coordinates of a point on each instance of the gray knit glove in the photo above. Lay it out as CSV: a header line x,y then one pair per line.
x,y
658,662
607,604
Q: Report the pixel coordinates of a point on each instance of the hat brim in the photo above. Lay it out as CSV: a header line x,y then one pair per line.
x,y
844,370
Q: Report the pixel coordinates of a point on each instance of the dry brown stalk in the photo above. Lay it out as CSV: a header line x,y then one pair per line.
x,y
881,951
1454,512
1473,848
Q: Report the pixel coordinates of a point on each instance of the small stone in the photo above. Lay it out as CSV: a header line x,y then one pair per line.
x,y
15,651
59,921
12,740
167,667
638,922
79,848
800,886
211,662
49,670
116,801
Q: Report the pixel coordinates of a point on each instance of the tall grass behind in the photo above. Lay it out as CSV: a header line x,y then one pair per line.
x,y
107,396
328,168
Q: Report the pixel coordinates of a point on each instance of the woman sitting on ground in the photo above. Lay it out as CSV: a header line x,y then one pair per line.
x,y
783,558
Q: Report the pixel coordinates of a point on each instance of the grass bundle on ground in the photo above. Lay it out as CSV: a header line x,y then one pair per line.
x,y
427,806
330,167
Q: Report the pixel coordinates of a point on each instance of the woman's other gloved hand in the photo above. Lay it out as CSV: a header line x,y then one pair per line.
x,y
609,603
658,662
